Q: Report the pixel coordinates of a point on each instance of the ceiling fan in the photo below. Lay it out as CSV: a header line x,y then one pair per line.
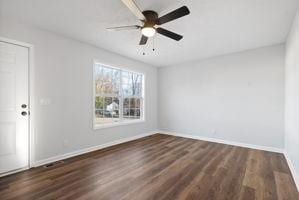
x,y
151,22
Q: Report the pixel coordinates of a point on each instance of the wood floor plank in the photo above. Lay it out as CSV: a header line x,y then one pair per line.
x,y
159,167
247,193
285,186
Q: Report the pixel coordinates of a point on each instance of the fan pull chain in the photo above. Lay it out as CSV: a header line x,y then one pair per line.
x,y
154,43
143,49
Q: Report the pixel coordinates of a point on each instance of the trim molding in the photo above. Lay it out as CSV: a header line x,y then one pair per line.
x,y
292,169
90,149
239,144
14,171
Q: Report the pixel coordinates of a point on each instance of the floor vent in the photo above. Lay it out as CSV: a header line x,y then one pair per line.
x,y
53,164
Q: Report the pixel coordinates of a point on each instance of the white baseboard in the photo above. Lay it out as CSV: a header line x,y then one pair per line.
x,y
89,149
292,168
239,144
13,172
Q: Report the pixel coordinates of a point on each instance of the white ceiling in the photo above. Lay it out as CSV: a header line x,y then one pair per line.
x,y
214,27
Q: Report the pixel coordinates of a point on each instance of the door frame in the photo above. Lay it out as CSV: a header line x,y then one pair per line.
x,y
31,92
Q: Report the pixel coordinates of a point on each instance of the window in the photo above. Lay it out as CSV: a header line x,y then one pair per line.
x,y
118,96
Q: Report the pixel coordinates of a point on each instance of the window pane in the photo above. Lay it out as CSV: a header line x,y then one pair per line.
x,y
135,114
132,102
126,87
109,107
131,84
110,111
126,108
138,113
126,113
131,108
114,107
99,116
126,102
107,80
99,113
132,112
99,102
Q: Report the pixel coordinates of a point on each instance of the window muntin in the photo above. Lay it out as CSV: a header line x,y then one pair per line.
x,y
118,95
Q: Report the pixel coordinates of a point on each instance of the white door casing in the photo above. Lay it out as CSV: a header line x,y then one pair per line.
x,y
14,92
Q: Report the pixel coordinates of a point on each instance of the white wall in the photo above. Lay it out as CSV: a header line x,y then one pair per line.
x,y
63,73
238,97
292,97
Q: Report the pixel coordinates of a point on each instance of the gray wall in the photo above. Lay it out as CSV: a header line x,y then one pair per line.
x,y
63,73
238,97
292,96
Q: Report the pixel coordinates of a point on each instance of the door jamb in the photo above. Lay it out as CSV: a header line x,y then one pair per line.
x,y
31,92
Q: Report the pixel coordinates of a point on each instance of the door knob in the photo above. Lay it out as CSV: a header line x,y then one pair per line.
x,y
24,106
24,113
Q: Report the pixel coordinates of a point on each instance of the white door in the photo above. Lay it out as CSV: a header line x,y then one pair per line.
x,y
14,120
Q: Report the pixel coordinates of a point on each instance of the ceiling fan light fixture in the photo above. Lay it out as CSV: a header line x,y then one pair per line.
x,y
148,31
151,22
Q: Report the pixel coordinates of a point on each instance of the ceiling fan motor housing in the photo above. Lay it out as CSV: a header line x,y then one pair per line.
x,y
150,18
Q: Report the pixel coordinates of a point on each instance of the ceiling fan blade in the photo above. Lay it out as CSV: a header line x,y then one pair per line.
x,y
180,12
169,34
143,40
122,28
134,9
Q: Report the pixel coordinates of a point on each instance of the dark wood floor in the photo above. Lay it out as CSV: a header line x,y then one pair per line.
x,y
159,167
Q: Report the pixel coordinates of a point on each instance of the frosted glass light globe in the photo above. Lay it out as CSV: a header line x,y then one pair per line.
x,y
148,31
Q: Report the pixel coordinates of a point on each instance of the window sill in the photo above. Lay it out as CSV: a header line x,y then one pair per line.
x,y
116,124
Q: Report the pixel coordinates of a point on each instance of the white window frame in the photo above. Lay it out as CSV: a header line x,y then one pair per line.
x,y
121,98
